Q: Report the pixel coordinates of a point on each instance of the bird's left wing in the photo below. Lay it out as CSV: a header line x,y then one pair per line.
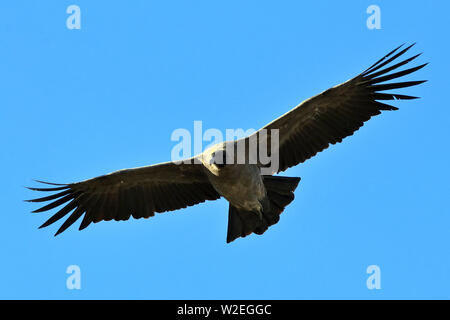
x,y
338,112
138,192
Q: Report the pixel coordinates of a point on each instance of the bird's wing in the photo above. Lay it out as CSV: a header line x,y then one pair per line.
x,y
338,112
138,192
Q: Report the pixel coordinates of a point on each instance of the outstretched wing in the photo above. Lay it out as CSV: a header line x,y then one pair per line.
x,y
138,192
338,112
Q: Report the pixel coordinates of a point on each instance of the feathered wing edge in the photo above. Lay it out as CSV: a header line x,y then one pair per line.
x,y
118,203
371,78
339,111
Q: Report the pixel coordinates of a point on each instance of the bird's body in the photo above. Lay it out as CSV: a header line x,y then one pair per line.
x,y
241,184
256,199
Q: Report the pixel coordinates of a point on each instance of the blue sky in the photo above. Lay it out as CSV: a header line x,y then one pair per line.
x,y
75,104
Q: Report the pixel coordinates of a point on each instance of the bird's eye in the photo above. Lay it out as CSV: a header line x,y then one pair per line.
x,y
220,159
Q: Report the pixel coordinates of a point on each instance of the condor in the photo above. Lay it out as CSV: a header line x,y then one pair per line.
x,y
256,200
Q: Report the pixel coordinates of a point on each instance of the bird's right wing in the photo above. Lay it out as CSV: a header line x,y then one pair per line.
x,y
338,112
138,192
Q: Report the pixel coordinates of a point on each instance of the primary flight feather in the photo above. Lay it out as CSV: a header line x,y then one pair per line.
x,y
256,199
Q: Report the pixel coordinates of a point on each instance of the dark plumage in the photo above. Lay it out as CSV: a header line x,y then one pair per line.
x,y
256,200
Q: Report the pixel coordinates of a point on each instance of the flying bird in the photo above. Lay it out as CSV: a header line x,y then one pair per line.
x,y
256,200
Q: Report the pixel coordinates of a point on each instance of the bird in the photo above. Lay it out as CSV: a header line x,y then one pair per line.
x,y
256,197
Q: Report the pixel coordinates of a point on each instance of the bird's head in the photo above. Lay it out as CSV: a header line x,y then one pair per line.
x,y
219,159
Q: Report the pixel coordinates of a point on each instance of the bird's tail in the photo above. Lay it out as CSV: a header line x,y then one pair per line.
x,y
280,192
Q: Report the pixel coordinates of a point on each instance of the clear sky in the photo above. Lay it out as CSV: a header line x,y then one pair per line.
x,y
75,104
